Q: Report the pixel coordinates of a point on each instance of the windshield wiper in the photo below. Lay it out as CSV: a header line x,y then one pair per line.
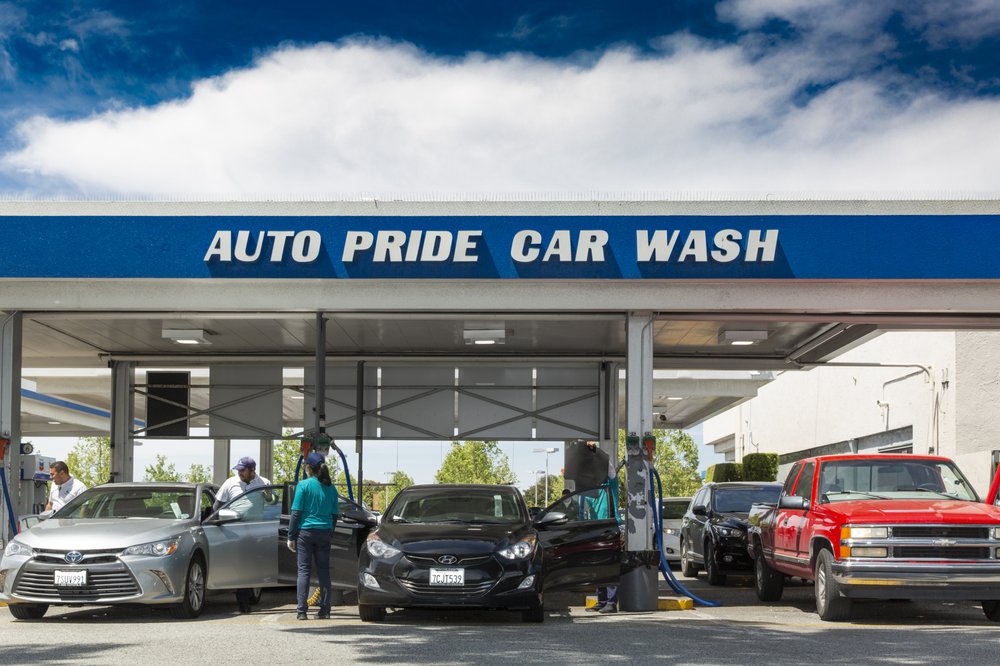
x,y
828,493
937,492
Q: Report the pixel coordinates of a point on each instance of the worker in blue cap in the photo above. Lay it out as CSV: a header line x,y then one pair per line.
x,y
314,515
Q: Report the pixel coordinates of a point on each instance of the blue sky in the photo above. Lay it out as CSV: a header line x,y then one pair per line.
x,y
302,99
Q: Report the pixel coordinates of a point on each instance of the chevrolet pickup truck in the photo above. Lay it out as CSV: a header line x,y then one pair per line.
x,y
888,526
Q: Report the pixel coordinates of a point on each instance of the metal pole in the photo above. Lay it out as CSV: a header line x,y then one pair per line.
x,y
546,476
319,405
359,430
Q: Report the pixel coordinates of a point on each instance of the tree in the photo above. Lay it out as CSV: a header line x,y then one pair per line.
x,y
199,473
475,462
90,460
161,470
285,459
676,461
397,482
556,485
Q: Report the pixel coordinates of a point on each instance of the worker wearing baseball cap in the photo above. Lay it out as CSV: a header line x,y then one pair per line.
x,y
245,480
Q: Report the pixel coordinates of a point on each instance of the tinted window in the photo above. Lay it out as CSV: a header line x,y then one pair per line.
x,y
449,504
892,478
739,499
804,487
673,510
790,479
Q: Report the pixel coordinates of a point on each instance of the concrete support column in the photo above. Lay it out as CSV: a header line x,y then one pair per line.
x,y
10,420
122,418
608,427
220,461
639,585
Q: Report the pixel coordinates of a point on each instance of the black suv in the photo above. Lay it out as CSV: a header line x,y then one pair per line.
x,y
714,528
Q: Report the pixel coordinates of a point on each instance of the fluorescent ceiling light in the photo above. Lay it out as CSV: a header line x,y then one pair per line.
x,y
727,337
54,422
675,397
485,336
187,336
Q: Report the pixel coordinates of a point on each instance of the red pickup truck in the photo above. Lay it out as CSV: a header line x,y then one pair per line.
x,y
887,526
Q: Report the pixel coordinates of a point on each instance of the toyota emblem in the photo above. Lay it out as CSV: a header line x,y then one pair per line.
x,y
447,559
73,557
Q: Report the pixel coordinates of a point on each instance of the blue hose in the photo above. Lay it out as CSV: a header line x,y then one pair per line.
x,y
347,473
298,468
668,575
14,527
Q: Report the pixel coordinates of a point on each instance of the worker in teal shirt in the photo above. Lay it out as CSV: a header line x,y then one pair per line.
x,y
314,515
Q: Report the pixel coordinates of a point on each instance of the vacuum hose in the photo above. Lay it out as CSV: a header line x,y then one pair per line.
x,y
668,575
347,472
6,500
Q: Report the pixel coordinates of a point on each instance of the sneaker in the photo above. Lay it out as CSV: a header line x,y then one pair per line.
x,y
301,616
596,608
244,608
323,616
610,608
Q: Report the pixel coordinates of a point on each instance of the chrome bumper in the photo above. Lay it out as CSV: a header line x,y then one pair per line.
x,y
911,580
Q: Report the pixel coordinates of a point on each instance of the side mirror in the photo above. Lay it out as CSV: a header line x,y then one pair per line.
x,y
793,502
699,510
551,518
360,516
226,516
45,515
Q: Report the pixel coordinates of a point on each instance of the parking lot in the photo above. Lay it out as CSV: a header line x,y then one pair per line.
x,y
742,630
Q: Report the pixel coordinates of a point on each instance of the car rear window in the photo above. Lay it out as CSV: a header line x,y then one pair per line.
x,y
739,500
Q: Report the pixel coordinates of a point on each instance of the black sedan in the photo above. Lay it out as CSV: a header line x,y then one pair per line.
x,y
474,546
714,528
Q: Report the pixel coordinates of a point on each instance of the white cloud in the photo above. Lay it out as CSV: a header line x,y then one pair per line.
x,y
381,117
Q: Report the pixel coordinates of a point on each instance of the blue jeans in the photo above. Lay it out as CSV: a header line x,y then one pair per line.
x,y
313,546
607,595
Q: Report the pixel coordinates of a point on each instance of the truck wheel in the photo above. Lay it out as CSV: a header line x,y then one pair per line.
x,y
35,611
371,613
688,568
991,608
831,606
770,584
194,592
715,577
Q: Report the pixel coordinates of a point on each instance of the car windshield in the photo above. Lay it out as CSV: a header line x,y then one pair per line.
x,y
132,502
673,509
738,500
889,478
464,505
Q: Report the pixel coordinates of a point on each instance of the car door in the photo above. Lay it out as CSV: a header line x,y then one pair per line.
x,y
693,528
585,548
791,523
240,538
351,531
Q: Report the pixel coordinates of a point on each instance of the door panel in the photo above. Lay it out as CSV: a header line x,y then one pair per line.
x,y
240,552
586,549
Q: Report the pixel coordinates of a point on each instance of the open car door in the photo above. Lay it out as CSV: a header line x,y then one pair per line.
x,y
353,526
240,539
581,539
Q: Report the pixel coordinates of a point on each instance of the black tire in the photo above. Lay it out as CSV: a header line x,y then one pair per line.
x,y
770,584
194,592
990,608
255,595
688,568
715,577
830,604
536,614
371,613
28,611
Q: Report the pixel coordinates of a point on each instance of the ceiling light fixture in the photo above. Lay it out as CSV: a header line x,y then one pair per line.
x,y
727,337
187,336
485,336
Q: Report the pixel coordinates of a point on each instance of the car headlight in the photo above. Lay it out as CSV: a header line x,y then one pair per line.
x,y
380,549
520,550
671,531
155,549
996,532
730,532
852,532
16,548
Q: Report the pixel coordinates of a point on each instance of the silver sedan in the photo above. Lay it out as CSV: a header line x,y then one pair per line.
x,y
147,543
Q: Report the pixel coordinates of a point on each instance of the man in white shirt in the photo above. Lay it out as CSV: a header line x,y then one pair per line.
x,y
251,508
64,486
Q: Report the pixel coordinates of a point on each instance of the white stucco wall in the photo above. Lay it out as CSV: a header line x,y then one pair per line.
x,y
805,409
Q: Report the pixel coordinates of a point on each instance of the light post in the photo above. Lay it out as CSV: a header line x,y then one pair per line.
x,y
536,472
546,452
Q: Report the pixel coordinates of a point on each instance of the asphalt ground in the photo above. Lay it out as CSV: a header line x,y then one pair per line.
x,y
741,631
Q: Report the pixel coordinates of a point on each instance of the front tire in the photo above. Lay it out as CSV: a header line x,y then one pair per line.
x,y
831,606
715,577
28,611
688,568
990,608
769,584
371,613
194,592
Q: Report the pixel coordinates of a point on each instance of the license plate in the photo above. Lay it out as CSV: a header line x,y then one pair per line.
x,y
447,576
71,578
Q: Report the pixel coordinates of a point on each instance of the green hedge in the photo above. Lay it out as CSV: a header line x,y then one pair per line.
x,y
728,471
760,467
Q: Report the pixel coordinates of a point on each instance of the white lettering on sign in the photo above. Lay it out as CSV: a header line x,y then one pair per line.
x,y
695,246
562,246
393,246
249,246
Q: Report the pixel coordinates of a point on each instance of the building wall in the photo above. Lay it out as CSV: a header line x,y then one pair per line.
x,y
949,402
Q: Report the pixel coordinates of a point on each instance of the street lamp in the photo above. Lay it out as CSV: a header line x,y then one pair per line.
x,y
546,452
536,472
